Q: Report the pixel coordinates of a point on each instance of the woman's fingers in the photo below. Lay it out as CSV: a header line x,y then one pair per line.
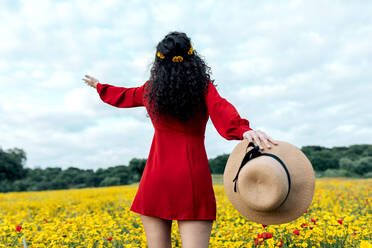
x,y
92,78
257,136
258,142
272,141
252,137
269,138
87,81
247,136
91,81
263,137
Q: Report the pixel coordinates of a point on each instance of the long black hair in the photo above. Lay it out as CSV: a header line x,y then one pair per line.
x,y
177,88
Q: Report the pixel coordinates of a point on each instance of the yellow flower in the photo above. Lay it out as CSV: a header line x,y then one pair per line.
x,y
177,59
88,217
160,55
190,50
365,244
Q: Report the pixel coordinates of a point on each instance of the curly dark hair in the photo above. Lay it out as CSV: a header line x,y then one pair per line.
x,y
177,88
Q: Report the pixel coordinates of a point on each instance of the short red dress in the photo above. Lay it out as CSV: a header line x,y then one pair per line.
x,y
176,183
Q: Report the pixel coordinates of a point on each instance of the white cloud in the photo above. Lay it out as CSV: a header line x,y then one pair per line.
x,y
299,72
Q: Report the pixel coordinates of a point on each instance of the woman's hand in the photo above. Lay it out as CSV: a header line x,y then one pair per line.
x,y
91,81
256,135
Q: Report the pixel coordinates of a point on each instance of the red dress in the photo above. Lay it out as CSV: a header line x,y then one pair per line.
x,y
176,183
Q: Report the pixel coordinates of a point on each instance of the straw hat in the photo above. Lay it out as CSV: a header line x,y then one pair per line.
x,y
272,186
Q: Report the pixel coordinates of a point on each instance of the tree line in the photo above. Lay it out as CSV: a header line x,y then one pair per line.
x,y
352,161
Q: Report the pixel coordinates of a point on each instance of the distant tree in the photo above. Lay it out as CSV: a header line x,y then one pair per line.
x,y
347,164
308,150
90,178
110,181
363,165
136,167
336,173
11,164
340,149
325,159
35,175
356,151
59,182
352,161
367,151
72,176
21,184
51,172
217,165
6,185
122,172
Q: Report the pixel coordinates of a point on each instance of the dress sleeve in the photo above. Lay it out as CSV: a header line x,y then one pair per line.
x,y
224,115
121,97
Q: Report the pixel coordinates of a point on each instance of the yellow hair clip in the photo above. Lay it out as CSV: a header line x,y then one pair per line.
x,y
177,59
190,50
160,55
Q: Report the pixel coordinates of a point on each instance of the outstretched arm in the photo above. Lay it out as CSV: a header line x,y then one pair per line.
x,y
121,97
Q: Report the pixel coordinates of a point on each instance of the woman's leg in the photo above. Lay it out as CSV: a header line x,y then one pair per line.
x,y
158,231
195,233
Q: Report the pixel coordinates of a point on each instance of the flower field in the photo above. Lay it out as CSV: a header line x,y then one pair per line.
x,y
340,216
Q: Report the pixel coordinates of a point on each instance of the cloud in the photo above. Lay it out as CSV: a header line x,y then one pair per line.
x,y
297,70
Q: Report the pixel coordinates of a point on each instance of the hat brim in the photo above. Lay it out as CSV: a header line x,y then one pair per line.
x,y
302,183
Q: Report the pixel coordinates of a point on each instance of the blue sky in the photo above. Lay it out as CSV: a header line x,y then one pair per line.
x,y
298,70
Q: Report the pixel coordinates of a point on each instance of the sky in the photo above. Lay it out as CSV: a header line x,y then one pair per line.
x,y
300,71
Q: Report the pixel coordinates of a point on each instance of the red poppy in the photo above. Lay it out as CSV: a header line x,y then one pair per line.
x,y
303,225
297,232
264,235
264,225
339,221
109,238
267,235
313,220
18,228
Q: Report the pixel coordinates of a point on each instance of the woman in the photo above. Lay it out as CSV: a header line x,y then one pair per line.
x,y
176,183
